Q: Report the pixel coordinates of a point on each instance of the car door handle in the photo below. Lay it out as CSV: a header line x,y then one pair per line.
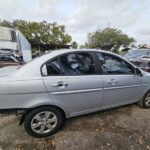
x,y
59,84
112,82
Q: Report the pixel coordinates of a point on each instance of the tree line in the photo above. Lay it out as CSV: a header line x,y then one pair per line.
x,y
41,32
109,39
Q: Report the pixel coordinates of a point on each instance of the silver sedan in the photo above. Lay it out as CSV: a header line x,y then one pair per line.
x,y
67,83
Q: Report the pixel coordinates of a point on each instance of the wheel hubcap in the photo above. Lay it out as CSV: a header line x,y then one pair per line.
x,y
147,100
44,122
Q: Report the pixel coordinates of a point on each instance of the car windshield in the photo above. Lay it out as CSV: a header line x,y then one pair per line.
x,y
137,53
5,35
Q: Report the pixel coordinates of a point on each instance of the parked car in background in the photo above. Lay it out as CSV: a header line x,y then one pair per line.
x,y
140,57
8,60
67,83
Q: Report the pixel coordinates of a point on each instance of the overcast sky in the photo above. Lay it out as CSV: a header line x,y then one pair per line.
x,y
83,16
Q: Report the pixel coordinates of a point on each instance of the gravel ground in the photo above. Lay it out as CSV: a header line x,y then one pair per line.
x,y
124,128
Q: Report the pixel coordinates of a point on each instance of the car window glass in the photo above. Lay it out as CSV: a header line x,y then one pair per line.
x,y
71,64
13,36
77,64
53,67
113,65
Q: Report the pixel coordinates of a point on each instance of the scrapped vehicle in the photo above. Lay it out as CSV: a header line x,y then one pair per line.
x,y
140,57
67,83
8,60
13,39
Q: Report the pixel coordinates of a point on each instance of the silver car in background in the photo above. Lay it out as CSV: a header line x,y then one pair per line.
x,y
67,83
140,58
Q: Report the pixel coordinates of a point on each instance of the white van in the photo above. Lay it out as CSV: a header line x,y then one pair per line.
x,y
14,40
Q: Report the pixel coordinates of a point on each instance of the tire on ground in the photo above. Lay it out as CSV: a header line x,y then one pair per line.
x,y
31,114
142,102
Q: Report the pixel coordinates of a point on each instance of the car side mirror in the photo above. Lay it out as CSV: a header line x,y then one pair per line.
x,y
138,72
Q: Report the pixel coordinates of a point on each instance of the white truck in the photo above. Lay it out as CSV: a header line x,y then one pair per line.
x,y
13,40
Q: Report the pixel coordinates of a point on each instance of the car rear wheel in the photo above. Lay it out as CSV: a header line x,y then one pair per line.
x,y
145,101
43,122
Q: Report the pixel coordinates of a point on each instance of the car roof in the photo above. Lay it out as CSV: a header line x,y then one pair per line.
x,y
55,53
61,51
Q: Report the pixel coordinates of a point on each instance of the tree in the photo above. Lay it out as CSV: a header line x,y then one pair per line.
x,y
85,45
74,45
109,39
40,32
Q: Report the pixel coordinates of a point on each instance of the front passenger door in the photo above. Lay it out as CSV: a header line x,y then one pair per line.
x,y
121,85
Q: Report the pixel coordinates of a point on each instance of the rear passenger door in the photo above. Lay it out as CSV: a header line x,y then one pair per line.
x,y
72,81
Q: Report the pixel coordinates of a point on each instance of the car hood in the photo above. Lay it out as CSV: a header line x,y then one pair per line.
x,y
5,71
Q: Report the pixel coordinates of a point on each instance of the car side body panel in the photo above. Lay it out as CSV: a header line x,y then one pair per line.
x,y
82,93
119,89
25,94
22,93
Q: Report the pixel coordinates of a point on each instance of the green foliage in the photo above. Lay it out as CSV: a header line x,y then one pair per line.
x,y
74,45
108,39
40,32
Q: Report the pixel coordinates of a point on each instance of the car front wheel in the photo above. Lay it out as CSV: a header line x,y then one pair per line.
x,y
145,101
43,122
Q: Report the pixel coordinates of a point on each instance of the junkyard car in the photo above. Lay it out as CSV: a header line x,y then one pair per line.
x,y
67,83
140,57
8,60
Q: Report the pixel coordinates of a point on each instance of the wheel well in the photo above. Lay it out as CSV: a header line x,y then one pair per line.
x,y
145,93
30,109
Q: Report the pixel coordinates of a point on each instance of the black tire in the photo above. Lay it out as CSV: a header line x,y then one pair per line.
x,y
29,116
143,102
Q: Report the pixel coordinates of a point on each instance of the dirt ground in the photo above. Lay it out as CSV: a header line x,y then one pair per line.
x,y
124,128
